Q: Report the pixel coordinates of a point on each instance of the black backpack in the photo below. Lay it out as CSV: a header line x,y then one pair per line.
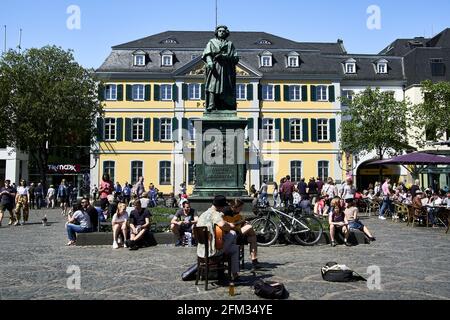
x,y
270,290
335,272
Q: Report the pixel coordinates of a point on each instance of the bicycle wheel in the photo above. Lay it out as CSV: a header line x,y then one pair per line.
x,y
266,231
309,231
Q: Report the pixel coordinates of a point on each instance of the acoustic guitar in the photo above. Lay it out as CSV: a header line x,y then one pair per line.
x,y
218,234
236,219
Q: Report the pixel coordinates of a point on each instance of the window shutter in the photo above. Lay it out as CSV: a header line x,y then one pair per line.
x,y
278,130
148,92
305,93
156,129
119,132
202,91
287,130
128,130
120,92
175,92
260,124
100,129
277,93
147,128
129,92
185,92
305,128
260,92
286,93
333,130
250,127
175,129
313,93
314,130
185,127
331,94
157,92
250,92
101,92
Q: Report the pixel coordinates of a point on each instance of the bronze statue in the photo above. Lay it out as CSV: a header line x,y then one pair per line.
x,y
221,59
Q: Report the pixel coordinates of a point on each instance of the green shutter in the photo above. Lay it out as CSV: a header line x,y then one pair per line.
x,y
148,92
175,92
333,130
129,92
314,130
175,129
202,91
100,124
331,94
101,92
120,92
278,130
304,93
128,130
286,93
260,123
119,132
147,129
287,130
185,127
277,93
313,93
250,92
157,92
260,92
185,92
305,128
156,129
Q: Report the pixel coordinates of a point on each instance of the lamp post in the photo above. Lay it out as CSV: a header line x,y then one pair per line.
x,y
349,165
96,156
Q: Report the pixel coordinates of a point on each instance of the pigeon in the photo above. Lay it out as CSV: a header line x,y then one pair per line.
x,y
44,221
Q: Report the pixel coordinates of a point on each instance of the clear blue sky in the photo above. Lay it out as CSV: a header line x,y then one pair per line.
x,y
105,23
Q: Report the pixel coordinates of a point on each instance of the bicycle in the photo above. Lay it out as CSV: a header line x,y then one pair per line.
x,y
306,229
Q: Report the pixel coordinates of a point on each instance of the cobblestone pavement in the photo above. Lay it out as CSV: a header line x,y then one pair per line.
x,y
414,264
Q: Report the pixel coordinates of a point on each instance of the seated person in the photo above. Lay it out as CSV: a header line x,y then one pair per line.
x,y
319,207
232,214
171,202
111,209
434,210
78,221
120,224
296,198
145,201
338,221
139,227
210,218
94,214
184,221
446,201
351,213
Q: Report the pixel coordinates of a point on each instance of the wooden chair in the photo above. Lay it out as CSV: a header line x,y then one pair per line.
x,y
206,264
401,211
415,213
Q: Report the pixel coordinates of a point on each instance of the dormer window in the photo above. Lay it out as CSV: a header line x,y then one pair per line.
x,y
167,58
350,66
139,58
169,41
266,59
293,60
264,42
382,66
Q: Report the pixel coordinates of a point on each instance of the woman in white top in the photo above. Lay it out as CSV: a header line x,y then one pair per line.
x,y
22,197
120,223
51,197
348,191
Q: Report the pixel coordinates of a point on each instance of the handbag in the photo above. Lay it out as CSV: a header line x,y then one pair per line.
x,y
334,272
270,289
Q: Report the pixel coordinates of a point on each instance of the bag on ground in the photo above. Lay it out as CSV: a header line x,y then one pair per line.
x,y
334,272
190,274
270,290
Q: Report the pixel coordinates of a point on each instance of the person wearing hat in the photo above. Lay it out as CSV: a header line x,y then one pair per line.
x,y
351,213
214,216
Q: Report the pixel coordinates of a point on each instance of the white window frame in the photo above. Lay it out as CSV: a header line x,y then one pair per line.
x,y
296,64
292,98
191,129
241,95
166,95
264,59
268,129
170,173
110,127
164,56
293,123
293,177
271,92
137,125
113,175
344,94
136,56
324,131
167,123
138,85
381,65
351,65
111,95
319,169
194,91
320,96
132,169
267,171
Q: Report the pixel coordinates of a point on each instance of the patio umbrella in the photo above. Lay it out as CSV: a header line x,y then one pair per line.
x,y
419,160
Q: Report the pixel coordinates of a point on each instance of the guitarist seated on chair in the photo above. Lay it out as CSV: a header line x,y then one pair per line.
x,y
232,214
222,237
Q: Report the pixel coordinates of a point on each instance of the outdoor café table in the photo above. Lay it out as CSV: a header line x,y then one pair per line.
x,y
442,214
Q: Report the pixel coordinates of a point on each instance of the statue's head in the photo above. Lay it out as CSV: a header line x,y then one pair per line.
x,y
222,32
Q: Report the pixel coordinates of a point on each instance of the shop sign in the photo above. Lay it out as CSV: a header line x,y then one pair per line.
x,y
64,168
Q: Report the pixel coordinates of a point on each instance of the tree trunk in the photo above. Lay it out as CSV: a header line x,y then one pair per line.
x,y
42,161
380,172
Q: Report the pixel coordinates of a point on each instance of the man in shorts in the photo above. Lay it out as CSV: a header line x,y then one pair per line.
x,y
7,195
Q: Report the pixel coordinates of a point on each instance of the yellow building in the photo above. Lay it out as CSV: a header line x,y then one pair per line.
x,y
288,91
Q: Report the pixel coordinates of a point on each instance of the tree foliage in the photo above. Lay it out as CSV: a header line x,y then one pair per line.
x,y
374,121
46,99
433,114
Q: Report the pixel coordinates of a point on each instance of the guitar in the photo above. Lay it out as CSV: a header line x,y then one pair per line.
x,y
218,234
236,219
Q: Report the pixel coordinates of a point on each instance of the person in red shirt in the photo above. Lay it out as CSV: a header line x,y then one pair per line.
x,y
288,188
106,188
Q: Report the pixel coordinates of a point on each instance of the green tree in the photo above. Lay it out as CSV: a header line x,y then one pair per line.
x,y
430,118
374,121
46,99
